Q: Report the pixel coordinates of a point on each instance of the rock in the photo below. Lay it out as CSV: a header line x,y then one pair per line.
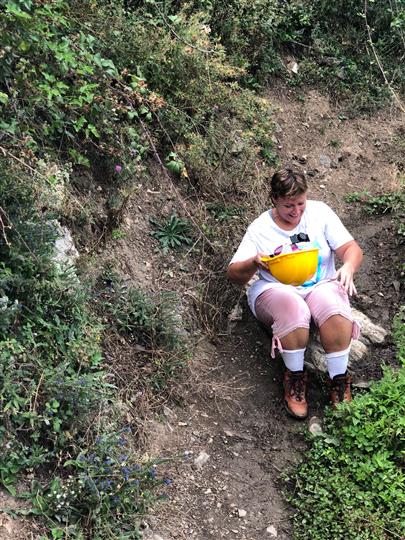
x,y
362,384
201,460
325,161
371,334
170,415
397,285
237,435
369,331
237,146
65,249
293,67
272,531
358,351
234,316
241,513
315,426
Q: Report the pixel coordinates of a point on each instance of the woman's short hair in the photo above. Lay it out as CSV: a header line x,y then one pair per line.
x,y
288,183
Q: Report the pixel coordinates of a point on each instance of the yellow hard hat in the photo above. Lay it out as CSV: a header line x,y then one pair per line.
x,y
293,268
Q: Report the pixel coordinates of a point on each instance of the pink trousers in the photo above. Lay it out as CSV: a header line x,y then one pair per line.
x,y
284,310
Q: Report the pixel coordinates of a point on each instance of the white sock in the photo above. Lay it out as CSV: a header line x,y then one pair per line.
x,y
337,362
294,360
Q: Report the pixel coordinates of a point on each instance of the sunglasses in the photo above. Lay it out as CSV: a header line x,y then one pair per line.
x,y
295,239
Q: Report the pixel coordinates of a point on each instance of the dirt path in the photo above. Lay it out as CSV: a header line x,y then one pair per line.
x,y
238,440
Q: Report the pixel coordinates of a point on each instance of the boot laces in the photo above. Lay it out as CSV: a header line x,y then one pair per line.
x,y
296,387
339,388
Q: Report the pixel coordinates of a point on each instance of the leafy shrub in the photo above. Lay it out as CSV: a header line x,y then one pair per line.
x,y
53,386
352,481
103,489
329,40
172,233
49,352
150,323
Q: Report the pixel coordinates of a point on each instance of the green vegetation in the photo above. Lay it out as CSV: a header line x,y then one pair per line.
x,y
348,47
351,484
172,233
58,412
391,203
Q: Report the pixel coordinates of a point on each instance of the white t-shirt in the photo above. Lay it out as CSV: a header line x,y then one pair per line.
x,y
318,221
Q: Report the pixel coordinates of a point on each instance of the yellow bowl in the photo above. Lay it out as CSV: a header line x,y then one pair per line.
x,y
293,268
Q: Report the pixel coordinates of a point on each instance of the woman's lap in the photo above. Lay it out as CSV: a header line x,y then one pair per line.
x,y
285,310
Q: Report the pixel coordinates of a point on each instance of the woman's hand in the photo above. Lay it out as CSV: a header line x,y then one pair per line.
x,y
351,255
345,277
242,272
257,261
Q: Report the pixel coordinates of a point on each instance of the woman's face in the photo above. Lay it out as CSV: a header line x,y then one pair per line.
x,y
290,210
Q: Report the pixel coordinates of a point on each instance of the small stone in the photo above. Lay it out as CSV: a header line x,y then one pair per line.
x,y
325,161
315,426
272,531
201,460
241,513
362,384
169,413
293,67
397,285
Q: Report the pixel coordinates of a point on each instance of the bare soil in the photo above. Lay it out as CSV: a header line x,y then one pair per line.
x,y
233,442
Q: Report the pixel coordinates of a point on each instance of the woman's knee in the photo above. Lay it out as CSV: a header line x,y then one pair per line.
x,y
336,333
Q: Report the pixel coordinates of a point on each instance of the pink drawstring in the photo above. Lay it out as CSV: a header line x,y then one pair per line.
x,y
276,344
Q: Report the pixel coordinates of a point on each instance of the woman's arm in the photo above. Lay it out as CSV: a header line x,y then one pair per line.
x,y
241,272
351,255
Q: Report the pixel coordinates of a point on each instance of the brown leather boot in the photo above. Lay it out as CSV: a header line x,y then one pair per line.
x,y
340,389
295,387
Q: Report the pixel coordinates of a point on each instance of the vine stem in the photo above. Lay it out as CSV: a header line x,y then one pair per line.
x,y
166,174
377,58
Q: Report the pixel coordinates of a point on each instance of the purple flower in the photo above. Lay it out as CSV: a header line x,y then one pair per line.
x,y
118,168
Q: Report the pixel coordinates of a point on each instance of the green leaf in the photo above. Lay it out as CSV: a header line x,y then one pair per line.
x,y
3,98
79,124
93,130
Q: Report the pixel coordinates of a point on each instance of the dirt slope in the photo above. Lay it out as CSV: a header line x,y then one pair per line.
x,y
233,438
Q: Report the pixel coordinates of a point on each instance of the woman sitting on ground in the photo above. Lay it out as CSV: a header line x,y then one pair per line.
x,y
288,309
